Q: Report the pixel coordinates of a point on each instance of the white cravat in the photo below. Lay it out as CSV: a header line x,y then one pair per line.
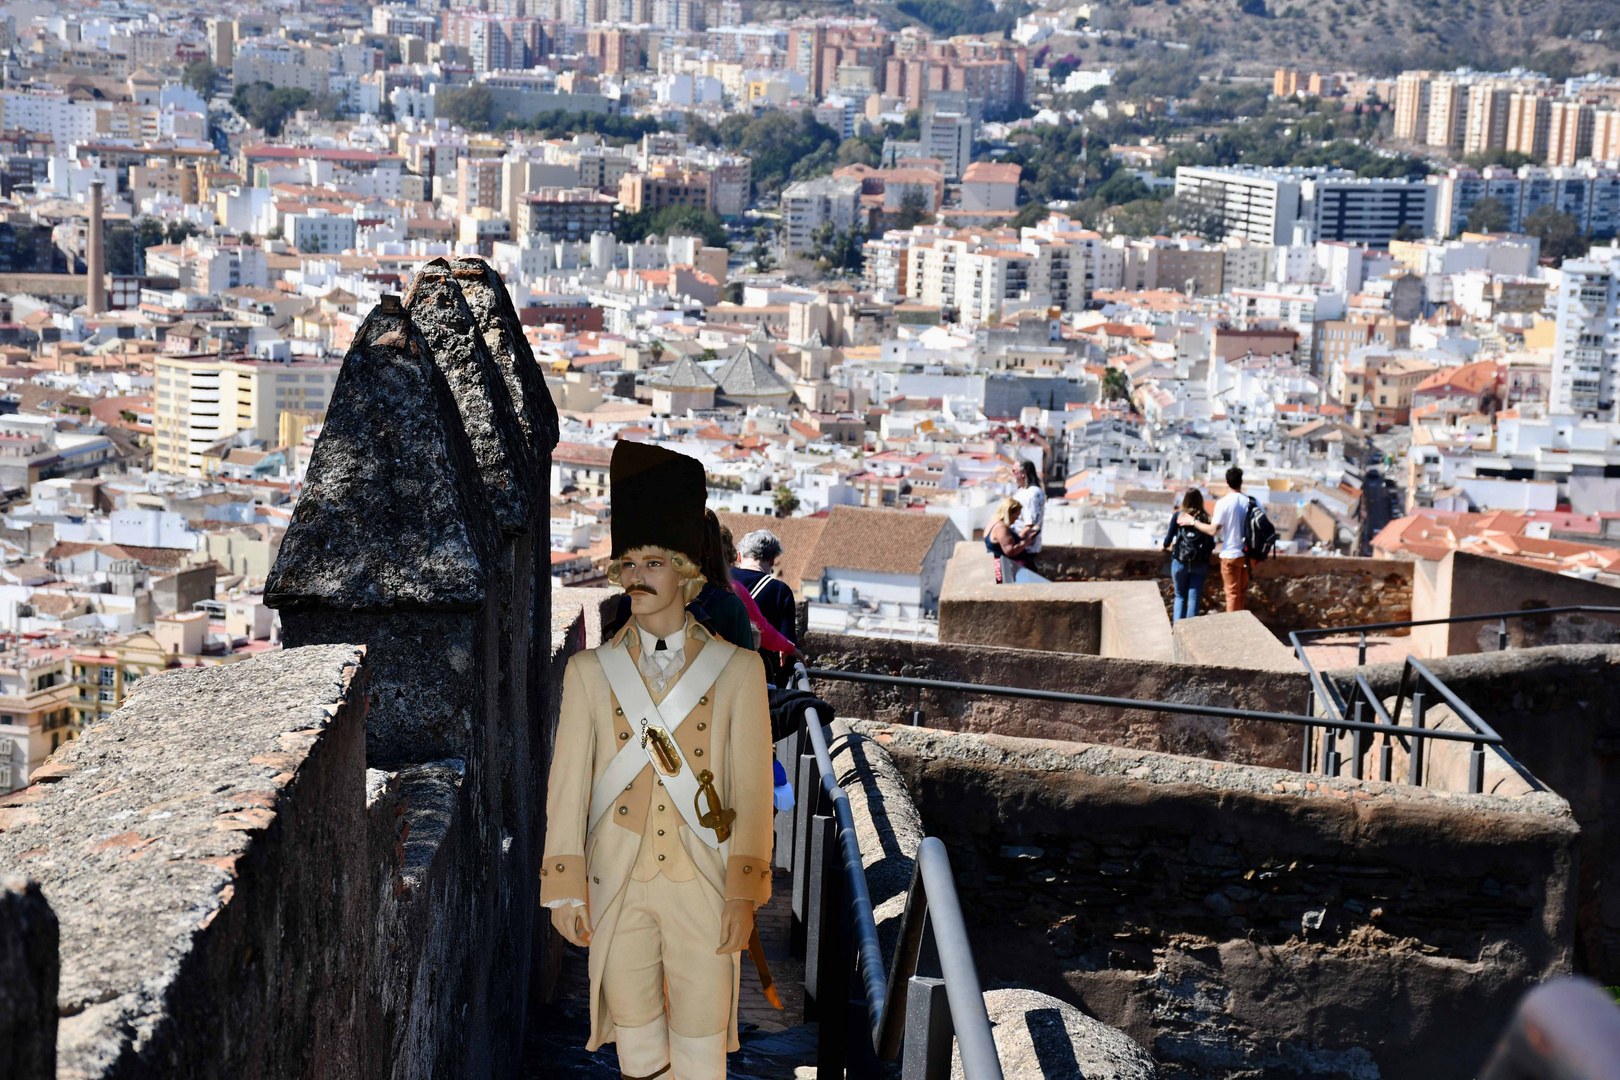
x,y
659,665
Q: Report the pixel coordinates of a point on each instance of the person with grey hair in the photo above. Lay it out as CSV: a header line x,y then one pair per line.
x,y
757,553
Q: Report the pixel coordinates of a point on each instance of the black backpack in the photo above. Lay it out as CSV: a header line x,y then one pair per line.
x,y
1259,534
1191,547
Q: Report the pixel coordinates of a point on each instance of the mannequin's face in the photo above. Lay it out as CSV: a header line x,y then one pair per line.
x,y
650,580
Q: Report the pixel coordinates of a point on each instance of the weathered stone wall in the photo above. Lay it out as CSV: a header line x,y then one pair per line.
x,y
1241,921
1558,711
205,850
1253,742
1289,592
1464,583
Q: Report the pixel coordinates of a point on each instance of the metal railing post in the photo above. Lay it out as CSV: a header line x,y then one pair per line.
x,y
1330,752
927,1053
1305,749
1414,769
1501,636
806,802
916,708
1358,744
1386,760
1476,769
1361,651
826,967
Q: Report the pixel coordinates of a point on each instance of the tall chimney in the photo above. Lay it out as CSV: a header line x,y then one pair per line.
x,y
95,260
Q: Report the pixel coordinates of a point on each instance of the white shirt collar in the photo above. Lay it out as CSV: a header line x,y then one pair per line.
x,y
649,641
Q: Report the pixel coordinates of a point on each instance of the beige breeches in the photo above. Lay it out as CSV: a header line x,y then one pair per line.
x,y
667,933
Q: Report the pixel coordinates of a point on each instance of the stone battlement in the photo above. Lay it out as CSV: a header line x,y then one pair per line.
x,y
322,861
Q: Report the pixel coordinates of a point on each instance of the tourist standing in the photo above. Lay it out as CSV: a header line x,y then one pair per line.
x,y
1230,525
1190,549
755,571
1009,547
1032,517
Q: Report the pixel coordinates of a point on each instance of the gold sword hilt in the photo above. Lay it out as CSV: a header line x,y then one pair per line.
x,y
718,818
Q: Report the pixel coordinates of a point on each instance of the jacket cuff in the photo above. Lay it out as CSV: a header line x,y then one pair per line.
x,y
562,877
748,878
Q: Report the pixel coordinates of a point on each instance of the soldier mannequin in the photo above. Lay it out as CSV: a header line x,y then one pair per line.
x,y
658,837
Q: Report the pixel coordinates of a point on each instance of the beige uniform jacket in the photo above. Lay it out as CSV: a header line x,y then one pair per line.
x,y
728,733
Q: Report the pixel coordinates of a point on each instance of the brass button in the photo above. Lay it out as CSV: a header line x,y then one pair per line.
x,y
748,869
623,735
704,700
698,752
660,858
617,711
660,806
660,832
626,809
559,868
542,872
702,726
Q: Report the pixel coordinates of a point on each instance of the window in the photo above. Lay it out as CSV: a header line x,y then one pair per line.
x,y
105,695
105,676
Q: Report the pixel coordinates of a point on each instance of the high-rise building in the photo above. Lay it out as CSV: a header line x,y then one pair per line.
x,y
1569,136
1412,105
1606,135
1486,126
949,137
1587,193
1586,350
1448,113
1529,114
199,400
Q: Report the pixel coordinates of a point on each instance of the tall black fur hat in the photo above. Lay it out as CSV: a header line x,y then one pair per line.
x,y
658,498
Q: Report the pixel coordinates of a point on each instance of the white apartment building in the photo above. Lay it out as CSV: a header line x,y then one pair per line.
x,y
1586,351
199,400
282,63
1588,193
48,112
949,137
810,204
1263,205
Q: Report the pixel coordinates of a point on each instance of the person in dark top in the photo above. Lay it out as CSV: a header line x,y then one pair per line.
x,y
755,571
1190,548
1009,548
717,603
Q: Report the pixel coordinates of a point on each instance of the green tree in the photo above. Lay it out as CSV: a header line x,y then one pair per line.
x,y
913,208
269,107
837,249
1030,214
1488,215
467,106
1116,385
1560,234
177,232
785,501
202,77
783,146
672,221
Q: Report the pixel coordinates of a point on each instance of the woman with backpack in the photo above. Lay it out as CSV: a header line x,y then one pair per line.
x,y
1190,548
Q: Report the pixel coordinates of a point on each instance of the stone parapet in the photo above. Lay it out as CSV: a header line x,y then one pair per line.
x,y
1287,592
1195,905
1248,741
205,850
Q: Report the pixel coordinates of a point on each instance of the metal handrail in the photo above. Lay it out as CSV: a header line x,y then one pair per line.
x,y
1325,630
1137,703
931,905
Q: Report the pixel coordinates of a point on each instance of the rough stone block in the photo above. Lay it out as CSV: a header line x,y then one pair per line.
x,y
1039,1036
206,858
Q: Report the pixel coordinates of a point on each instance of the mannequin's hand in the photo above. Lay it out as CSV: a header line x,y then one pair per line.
x,y
572,923
736,924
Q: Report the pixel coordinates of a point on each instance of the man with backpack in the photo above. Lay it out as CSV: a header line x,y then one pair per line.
x,y
1246,535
